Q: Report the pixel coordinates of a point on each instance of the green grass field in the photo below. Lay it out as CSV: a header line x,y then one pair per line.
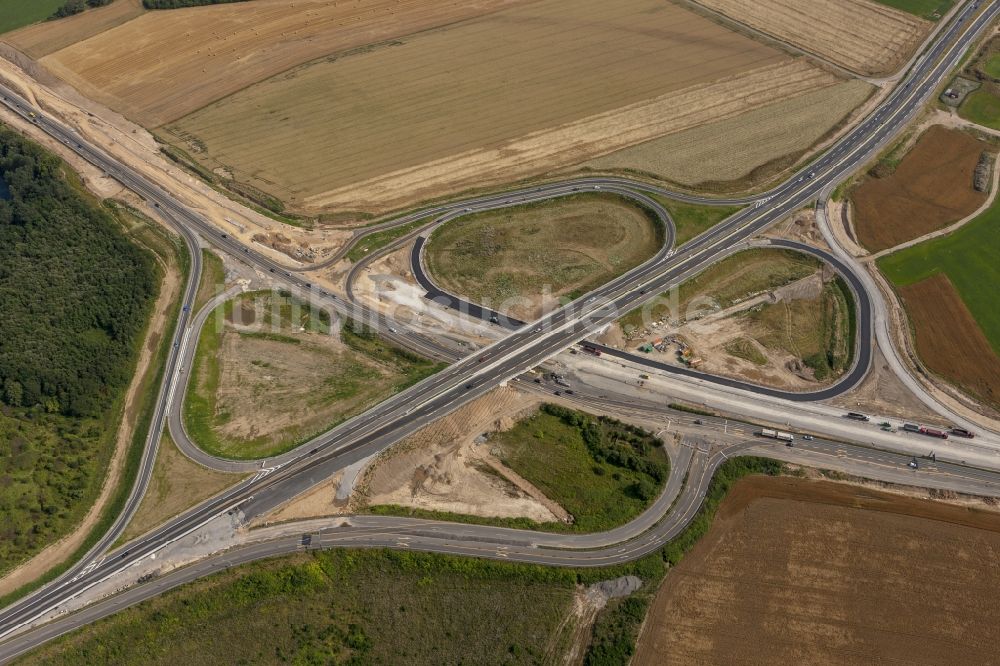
x,y
692,220
969,258
982,108
563,247
19,13
343,607
380,239
992,66
602,472
928,9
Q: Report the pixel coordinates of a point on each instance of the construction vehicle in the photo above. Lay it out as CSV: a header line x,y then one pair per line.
x,y
933,432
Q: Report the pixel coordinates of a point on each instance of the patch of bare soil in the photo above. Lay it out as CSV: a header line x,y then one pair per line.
x,y
710,342
882,392
800,227
443,468
799,571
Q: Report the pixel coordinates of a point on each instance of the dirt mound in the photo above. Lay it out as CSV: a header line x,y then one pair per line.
x,y
444,468
931,188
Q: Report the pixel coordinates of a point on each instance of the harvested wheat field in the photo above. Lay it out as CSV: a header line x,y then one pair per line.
x,y
521,260
165,64
811,572
931,188
865,37
949,341
758,143
516,92
41,39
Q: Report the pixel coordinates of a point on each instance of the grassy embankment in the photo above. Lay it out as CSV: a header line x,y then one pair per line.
x,y
983,105
602,471
213,278
691,220
928,9
385,607
285,379
727,282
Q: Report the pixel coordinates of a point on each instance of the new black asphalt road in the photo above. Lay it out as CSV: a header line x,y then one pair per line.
x,y
520,351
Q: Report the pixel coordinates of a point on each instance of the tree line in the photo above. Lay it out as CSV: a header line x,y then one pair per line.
x,y
76,6
74,292
177,4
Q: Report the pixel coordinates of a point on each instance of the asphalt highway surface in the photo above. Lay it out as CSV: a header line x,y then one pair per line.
x,y
473,376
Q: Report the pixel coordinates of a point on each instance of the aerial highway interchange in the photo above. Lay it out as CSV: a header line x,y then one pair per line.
x,y
521,349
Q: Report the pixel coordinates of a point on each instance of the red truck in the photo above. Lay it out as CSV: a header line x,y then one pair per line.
x,y
933,432
591,349
962,432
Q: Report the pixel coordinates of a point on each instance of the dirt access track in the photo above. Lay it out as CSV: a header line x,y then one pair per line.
x,y
931,188
865,37
812,572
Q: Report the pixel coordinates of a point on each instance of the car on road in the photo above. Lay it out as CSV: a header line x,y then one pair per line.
x,y
808,438
470,385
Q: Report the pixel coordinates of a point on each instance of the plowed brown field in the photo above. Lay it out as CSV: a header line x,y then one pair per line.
x,y
811,572
865,37
165,64
949,342
931,188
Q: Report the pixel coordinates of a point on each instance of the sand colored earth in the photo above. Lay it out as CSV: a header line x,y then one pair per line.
x,y
47,37
575,141
207,53
442,468
866,37
948,339
774,135
526,88
811,572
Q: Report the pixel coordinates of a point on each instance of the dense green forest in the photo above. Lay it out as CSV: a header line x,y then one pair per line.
x,y
75,295
176,4
73,291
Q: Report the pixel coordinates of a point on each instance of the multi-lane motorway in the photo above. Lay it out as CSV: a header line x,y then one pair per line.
x,y
473,376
